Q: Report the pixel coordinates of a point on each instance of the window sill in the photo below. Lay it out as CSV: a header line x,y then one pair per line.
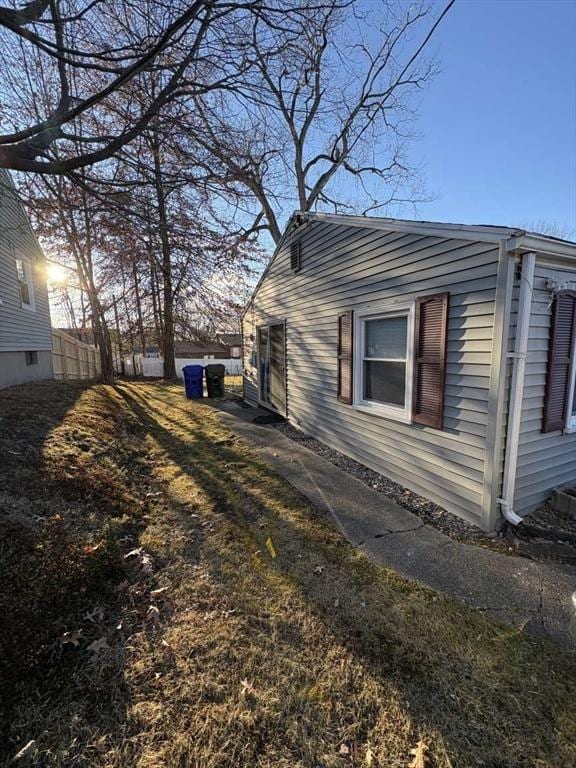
x,y
28,307
383,413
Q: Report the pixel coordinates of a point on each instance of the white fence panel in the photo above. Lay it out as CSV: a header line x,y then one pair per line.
x,y
154,366
233,367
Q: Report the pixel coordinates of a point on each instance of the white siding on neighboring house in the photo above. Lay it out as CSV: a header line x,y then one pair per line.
x,y
349,267
21,328
545,460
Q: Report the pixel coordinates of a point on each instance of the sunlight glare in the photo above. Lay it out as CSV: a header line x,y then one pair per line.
x,y
56,274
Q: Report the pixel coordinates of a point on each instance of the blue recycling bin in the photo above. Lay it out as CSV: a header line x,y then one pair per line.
x,y
193,381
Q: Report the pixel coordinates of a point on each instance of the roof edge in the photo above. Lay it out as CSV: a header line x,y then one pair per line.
x,y
516,239
541,244
483,232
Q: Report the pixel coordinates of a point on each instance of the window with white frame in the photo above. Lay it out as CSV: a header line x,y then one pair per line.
x,y
383,361
25,283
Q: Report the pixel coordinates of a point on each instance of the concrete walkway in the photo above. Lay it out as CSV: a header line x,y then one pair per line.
x,y
529,595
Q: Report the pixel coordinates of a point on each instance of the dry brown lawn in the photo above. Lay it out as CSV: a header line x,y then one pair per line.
x,y
144,621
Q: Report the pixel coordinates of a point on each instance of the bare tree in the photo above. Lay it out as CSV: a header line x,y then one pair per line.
x,y
320,104
70,220
91,52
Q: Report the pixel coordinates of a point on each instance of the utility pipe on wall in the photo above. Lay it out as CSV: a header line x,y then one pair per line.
x,y
527,267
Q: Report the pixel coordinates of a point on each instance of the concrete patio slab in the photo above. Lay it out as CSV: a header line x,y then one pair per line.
x,y
532,596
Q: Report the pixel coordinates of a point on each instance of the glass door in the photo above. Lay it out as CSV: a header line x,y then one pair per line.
x,y
272,366
264,364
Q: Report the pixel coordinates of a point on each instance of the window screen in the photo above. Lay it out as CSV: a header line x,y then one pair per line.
x,y
384,360
23,282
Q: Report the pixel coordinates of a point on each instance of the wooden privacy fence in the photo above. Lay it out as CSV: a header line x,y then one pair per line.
x,y
71,359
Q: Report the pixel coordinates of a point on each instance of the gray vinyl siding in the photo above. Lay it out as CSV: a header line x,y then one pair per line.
x,y
545,460
348,267
15,370
20,328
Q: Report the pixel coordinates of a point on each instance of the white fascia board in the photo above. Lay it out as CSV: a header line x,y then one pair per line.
x,y
542,245
428,228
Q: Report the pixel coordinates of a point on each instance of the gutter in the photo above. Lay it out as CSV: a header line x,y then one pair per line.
x,y
527,268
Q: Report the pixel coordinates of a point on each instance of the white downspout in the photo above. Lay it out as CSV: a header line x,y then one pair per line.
x,y
527,266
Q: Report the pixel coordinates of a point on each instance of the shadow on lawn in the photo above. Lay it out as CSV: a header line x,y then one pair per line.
x,y
387,624
73,483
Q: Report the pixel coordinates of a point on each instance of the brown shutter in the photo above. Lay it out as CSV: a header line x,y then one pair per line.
x,y
560,351
345,343
430,359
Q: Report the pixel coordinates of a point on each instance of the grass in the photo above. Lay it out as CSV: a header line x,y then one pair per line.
x,y
233,386
154,628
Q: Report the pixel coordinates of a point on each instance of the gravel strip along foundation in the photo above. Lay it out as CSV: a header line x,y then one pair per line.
x,y
429,512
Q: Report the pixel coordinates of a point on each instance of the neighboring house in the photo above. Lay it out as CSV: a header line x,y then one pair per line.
x,y
25,333
225,346
233,341
195,350
404,344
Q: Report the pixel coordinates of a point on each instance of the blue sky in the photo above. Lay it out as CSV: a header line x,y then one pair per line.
x,y
498,123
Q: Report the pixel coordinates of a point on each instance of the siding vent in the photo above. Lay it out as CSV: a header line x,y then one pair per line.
x,y
345,351
560,353
430,359
295,256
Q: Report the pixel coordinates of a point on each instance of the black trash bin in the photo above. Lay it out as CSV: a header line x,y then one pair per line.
x,y
215,379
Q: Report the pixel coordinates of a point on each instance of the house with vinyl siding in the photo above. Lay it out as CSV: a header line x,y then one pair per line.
x,y
25,331
440,355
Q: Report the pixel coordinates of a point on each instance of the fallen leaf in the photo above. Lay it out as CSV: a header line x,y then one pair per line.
x,y
420,753
134,553
337,603
147,564
158,591
344,749
318,569
25,750
91,548
99,645
153,614
71,638
247,688
95,615
369,758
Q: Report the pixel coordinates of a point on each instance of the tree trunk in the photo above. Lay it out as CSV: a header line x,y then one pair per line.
x,y
168,296
102,338
139,318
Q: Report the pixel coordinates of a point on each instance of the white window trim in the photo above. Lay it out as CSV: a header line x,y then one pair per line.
x,y
29,275
370,406
571,417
